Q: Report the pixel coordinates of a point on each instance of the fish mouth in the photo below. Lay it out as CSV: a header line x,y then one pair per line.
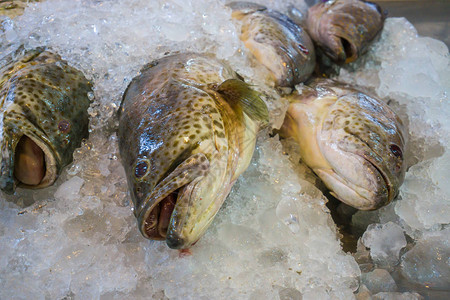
x,y
349,49
156,222
384,193
34,163
29,164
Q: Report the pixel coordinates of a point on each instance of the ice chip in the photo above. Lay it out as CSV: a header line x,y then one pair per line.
x,y
287,212
379,280
428,262
69,189
385,242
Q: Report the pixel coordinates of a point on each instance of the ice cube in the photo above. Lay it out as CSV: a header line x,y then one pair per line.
x,y
385,242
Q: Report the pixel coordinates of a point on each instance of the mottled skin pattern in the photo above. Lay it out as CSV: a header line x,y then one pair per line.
x,y
182,145
353,142
343,29
276,42
45,100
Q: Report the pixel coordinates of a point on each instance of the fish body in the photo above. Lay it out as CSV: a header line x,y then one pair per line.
x,y
353,142
43,115
187,131
344,29
283,47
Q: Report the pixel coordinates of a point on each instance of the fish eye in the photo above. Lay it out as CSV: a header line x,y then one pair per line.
x,y
141,168
396,151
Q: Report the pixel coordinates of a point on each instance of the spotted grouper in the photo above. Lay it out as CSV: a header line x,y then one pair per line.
x,y
43,117
352,141
344,29
187,130
283,47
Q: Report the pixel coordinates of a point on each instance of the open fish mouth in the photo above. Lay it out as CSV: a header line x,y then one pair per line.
x,y
29,162
156,221
350,51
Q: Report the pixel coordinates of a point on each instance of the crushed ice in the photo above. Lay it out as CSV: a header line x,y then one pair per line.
x,y
274,237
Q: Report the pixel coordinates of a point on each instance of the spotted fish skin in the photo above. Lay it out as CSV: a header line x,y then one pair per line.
x,y
344,29
276,42
352,141
183,142
44,104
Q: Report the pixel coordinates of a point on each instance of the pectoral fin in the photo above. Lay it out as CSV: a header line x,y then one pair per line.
x,y
235,91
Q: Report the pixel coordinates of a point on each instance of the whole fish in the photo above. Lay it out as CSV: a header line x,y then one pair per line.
x,y
353,142
43,117
344,29
187,131
276,42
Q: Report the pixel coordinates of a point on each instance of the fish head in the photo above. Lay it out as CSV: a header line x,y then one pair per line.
x,y
43,117
363,141
344,29
353,142
277,43
180,174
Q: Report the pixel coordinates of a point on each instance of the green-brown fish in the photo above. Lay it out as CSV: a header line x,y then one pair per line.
x,y
344,29
43,117
276,42
187,131
353,142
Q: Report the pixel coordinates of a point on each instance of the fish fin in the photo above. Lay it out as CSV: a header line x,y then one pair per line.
x,y
236,91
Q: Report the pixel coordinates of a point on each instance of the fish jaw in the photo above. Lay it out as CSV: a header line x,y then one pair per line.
x,y
344,28
355,180
148,213
196,208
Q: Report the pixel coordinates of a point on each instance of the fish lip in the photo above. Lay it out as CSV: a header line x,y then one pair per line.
x,y
150,205
387,185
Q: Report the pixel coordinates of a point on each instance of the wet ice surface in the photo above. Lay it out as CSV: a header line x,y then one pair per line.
x,y
274,237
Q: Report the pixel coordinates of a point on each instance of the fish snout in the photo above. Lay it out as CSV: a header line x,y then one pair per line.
x,y
175,241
